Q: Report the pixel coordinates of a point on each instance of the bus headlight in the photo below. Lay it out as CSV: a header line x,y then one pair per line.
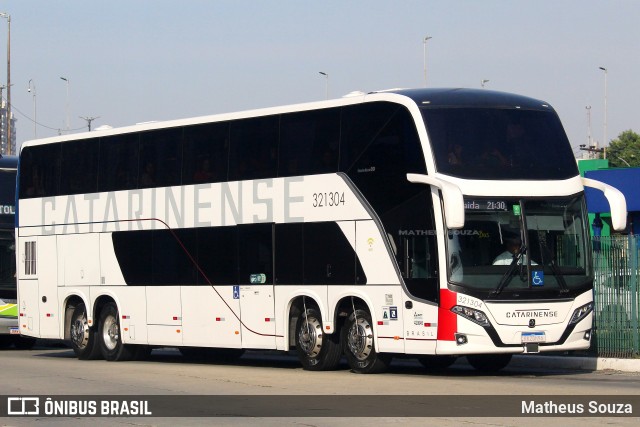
x,y
474,315
581,313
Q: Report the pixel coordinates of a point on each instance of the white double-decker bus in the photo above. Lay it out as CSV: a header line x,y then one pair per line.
x,y
368,226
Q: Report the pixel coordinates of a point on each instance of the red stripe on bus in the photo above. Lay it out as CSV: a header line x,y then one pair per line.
x,y
447,320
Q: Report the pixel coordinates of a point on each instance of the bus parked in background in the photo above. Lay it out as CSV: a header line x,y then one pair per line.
x,y
436,223
9,333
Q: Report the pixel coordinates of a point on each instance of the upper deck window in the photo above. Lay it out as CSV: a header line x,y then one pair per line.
x,y
499,143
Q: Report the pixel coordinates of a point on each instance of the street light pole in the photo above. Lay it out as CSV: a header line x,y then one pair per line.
x,y
67,106
32,89
6,15
327,84
424,43
604,142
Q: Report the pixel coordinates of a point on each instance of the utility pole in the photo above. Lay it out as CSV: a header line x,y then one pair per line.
x,y
89,120
8,17
588,107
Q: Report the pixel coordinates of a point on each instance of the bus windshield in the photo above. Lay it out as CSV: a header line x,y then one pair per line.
x,y
521,246
499,143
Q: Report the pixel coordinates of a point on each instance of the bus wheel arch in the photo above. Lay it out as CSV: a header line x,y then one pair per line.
x,y
317,351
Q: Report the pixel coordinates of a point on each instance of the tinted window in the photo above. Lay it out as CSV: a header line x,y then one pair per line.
x,y
329,258
160,158
171,262
118,163
309,142
79,171
255,253
205,152
40,171
411,229
361,125
218,254
492,143
254,148
289,254
380,169
134,251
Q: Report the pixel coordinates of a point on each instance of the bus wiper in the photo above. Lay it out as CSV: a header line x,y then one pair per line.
x,y
556,272
508,275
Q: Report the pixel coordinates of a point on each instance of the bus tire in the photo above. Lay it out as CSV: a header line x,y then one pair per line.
x,y
437,363
110,337
358,345
83,337
316,350
489,362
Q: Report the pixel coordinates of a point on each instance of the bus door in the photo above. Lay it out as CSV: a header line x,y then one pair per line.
x,y
255,285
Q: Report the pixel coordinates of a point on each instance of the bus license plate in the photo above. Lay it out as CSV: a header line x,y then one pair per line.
x,y
533,337
14,331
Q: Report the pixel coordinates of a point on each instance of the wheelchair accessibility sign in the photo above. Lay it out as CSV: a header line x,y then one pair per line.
x,y
537,278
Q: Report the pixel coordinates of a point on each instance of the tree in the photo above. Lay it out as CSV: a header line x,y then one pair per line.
x,y
625,150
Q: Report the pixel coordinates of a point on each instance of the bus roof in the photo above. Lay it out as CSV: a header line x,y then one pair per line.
x,y
426,97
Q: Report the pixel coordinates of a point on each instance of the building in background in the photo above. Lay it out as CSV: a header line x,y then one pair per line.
x,y
7,147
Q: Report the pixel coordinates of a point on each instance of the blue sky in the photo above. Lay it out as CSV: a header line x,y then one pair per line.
x,y
135,61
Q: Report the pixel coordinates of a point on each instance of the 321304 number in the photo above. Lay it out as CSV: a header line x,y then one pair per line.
x,y
334,198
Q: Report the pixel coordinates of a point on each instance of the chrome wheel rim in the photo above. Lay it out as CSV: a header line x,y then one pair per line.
x,y
360,339
110,332
80,332
310,336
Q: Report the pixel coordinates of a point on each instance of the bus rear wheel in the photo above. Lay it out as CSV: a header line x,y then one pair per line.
x,y
489,362
110,337
317,351
83,337
358,344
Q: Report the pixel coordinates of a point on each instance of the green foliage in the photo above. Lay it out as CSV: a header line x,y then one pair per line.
x,y
625,148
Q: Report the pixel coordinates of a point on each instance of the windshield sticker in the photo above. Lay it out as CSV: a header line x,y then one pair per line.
x,y
537,278
516,210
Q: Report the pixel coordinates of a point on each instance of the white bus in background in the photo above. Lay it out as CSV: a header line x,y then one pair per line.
x,y
366,226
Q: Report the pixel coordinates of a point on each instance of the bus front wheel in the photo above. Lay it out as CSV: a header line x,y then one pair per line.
x,y
83,337
358,344
317,351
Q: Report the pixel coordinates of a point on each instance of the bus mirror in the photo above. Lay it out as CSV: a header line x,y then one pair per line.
x,y
451,196
617,202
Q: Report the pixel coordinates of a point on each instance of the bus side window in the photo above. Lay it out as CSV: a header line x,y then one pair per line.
x,y
40,171
205,153
309,142
160,158
79,168
253,148
118,163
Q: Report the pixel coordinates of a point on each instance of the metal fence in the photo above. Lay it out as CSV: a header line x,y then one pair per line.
x,y
616,296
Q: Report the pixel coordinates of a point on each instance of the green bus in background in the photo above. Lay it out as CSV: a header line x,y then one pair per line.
x,y
9,333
